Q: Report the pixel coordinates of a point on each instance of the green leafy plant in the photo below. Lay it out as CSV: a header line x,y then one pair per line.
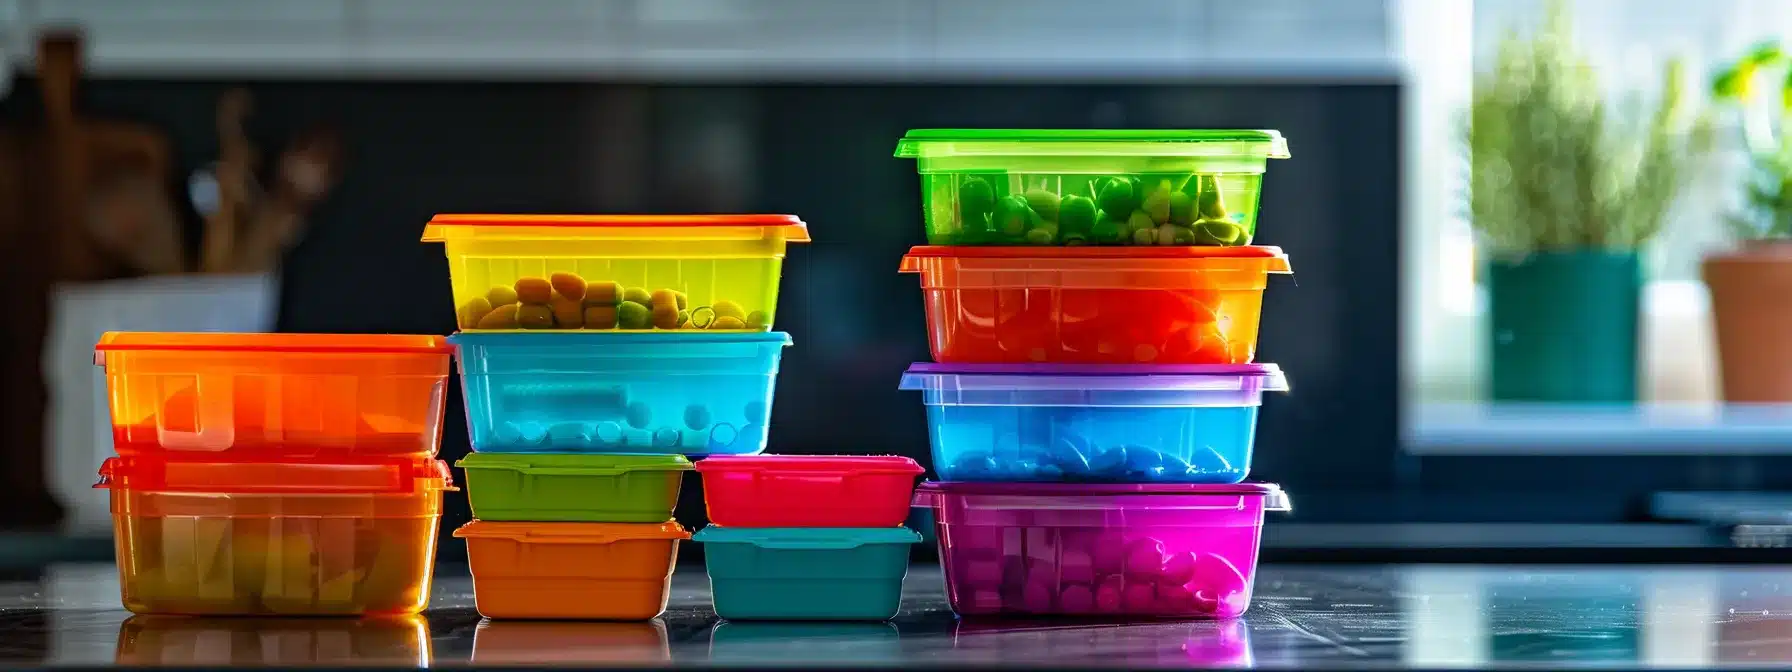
x,y
1554,166
1756,87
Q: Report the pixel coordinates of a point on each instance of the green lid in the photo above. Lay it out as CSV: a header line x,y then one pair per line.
x,y
938,142
588,464
808,538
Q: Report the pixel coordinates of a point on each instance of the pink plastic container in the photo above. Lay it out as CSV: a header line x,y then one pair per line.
x,y
808,490
1145,550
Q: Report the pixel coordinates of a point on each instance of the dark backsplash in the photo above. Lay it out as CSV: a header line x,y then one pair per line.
x,y
824,153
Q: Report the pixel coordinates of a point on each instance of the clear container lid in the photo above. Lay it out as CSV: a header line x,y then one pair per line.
x,y
790,228
853,464
808,538
574,464
1129,385
1264,258
572,533
1090,496
924,143
388,476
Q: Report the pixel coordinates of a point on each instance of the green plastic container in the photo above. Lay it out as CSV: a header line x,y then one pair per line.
x,y
583,487
1090,187
807,573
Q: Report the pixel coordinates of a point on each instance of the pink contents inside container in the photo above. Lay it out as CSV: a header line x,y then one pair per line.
x,y
1144,550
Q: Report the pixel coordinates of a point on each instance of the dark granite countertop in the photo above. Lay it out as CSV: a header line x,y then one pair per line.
x,y
1307,617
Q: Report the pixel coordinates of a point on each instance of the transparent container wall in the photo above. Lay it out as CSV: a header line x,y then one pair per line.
x,y
501,292
1204,565
997,207
296,566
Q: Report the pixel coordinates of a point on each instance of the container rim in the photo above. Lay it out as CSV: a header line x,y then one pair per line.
x,y
544,338
797,538
795,230
1096,252
858,464
1115,377
1078,494
935,142
572,533
345,344
596,462
388,476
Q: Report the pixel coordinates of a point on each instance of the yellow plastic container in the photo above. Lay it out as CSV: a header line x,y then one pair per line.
x,y
615,272
298,539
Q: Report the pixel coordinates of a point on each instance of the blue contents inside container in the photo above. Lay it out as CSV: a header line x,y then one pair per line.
x,y
1093,424
806,574
684,393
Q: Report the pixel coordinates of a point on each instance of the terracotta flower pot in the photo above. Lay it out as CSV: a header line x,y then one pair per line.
x,y
1751,306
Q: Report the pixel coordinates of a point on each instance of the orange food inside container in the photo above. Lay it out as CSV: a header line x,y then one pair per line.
x,y
585,571
272,395
295,539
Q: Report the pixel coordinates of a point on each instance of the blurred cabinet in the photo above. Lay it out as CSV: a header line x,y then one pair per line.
x,y
763,39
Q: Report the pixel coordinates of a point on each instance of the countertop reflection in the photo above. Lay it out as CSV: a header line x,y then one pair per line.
x,y
1393,616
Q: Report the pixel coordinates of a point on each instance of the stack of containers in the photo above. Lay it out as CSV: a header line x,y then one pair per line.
x,y
1093,301
807,537
597,354
275,474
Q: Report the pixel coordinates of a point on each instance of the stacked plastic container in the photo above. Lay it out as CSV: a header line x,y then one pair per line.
x,y
274,474
807,537
597,355
1093,301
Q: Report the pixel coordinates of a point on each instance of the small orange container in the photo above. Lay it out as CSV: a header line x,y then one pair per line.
x,y
293,539
583,571
268,396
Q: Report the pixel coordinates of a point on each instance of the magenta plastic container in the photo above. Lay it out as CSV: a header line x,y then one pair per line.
x,y
1168,550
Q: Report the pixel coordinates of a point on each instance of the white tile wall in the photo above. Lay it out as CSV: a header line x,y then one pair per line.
x,y
529,38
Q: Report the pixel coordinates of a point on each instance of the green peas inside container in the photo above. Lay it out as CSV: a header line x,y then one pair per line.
x,y
1091,187
591,488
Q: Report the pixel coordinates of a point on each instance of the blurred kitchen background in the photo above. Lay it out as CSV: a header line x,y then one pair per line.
x,y
359,119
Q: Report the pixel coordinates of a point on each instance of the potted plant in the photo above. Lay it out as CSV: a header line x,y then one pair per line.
x,y
1751,286
1564,189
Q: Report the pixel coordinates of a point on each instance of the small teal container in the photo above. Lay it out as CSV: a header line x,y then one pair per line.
x,y
607,392
806,574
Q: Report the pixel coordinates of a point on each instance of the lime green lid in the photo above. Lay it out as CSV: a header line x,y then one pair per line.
x,y
593,464
937,142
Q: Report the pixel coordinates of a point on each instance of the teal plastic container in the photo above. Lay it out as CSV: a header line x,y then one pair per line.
x,y
806,574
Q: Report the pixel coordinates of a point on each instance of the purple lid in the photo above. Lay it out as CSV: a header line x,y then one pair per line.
x,y
1274,498
1132,385
1151,370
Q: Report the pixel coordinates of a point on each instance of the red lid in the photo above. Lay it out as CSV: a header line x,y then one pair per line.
x,y
159,474
347,344
860,464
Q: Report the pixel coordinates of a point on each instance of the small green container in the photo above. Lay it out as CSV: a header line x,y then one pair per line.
x,y
584,487
806,573
1045,187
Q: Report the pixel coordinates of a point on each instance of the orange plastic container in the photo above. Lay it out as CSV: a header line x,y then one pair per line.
x,y
398,641
584,571
1094,305
542,643
294,539
266,396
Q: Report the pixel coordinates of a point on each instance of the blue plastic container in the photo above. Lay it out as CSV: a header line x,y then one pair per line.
x,y
1049,423
808,573
648,393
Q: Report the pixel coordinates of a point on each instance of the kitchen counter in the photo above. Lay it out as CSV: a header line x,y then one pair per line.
x,y
1304,616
